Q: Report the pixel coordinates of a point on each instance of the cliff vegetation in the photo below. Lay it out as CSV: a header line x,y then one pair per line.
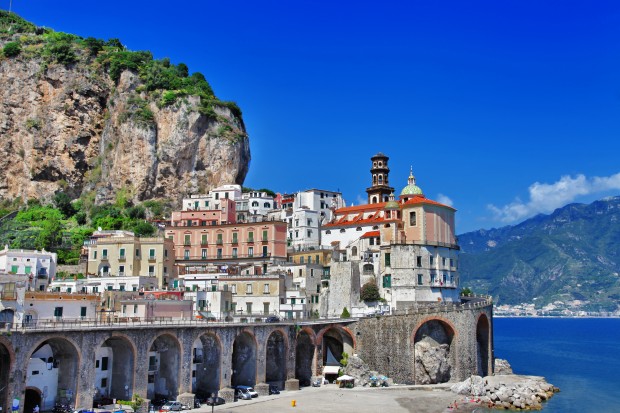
x,y
91,119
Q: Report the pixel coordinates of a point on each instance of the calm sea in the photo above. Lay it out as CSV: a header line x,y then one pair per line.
x,y
581,356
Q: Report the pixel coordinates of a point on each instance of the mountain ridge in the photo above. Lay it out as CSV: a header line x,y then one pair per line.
x,y
569,254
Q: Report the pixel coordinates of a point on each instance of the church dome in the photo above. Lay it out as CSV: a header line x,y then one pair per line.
x,y
411,188
391,205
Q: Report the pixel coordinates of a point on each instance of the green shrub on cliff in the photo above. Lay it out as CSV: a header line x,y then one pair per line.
x,y
11,49
12,23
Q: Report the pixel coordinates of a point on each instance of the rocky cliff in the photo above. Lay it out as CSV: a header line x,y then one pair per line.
x,y
94,127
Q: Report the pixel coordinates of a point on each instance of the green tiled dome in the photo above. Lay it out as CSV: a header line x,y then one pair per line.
x,y
411,188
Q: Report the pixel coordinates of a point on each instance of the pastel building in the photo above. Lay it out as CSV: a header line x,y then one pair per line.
x,y
407,246
38,266
124,255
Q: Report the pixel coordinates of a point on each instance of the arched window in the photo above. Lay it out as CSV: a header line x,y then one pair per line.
x,y
267,205
358,228
342,231
412,219
380,179
255,203
354,252
328,232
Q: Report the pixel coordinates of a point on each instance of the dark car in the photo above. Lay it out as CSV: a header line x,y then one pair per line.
x,y
215,401
272,319
273,389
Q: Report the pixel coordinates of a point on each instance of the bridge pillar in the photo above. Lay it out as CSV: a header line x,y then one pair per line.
x,y
17,382
141,375
86,378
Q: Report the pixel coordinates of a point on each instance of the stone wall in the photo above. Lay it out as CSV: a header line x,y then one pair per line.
x,y
387,344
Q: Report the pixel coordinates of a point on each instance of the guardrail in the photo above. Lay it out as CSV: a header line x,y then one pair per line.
x,y
469,303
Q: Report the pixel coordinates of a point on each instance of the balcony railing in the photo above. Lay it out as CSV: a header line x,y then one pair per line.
x,y
223,256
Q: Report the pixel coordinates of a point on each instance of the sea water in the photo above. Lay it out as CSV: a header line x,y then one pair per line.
x,y
581,356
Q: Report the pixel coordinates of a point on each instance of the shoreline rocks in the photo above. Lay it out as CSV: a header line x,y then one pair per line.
x,y
509,391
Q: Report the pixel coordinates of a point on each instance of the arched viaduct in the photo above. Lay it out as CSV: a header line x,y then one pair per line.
x,y
198,358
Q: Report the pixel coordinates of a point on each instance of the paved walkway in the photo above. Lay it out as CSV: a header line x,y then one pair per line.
x,y
331,399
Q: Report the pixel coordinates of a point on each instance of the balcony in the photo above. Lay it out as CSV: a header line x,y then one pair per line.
x,y
104,258
122,258
250,240
152,258
223,257
219,242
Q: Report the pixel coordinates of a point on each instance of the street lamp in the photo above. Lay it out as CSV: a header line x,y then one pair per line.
x,y
212,402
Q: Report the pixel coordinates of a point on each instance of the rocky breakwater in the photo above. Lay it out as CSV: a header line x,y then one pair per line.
x,y
509,391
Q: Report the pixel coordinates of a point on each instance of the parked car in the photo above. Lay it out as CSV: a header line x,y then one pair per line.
x,y
242,394
215,401
317,382
173,407
272,319
273,389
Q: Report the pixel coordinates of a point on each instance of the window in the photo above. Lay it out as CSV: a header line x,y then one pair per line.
x,y
82,311
135,308
152,253
296,234
255,203
301,260
293,301
165,253
420,279
267,205
121,270
187,239
151,270
433,278
94,254
121,253
309,259
248,288
234,252
354,252
412,219
14,269
235,237
265,238
219,239
203,253
248,308
250,252
233,288
372,241
443,261
387,281
104,254
309,220
419,260
104,382
138,250
186,254
431,260
251,236
219,253
57,311
266,289
217,196
265,251
451,262
316,259
342,231
265,308
387,259
203,239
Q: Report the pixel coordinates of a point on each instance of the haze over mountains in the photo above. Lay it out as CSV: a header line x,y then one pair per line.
x,y
570,254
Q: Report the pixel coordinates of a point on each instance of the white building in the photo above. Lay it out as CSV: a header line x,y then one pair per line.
x,y
39,266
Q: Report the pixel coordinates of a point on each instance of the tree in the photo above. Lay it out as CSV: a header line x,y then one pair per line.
x,y
63,203
467,292
345,313
370,292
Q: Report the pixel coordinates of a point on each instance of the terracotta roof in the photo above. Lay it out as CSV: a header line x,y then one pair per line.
x,y
364,207
371,234
420,199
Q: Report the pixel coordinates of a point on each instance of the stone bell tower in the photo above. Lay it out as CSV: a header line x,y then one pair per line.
x,y
380,189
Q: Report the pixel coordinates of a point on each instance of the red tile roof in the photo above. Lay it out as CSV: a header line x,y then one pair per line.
x,y
371,234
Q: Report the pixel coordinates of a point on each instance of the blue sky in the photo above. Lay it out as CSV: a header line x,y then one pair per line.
x,y
505,109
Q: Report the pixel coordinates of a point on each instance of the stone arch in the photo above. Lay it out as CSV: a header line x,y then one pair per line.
x,y
165,355
305,349
483,346
59,358
7,361
244,360
207,362
434,351
275,358
115,361
32,397
336,340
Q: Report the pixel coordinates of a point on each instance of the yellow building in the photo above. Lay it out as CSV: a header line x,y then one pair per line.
x,y
122,254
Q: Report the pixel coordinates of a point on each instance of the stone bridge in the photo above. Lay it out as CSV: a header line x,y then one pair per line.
x,y
82,362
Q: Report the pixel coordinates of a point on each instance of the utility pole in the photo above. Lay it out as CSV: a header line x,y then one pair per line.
x,y
10,5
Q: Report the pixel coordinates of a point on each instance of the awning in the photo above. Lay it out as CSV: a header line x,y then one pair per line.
x,y
331,369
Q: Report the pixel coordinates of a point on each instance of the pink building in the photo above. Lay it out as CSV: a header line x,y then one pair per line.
x,y
204,238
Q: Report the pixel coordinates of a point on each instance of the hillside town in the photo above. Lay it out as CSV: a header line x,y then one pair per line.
x,y
227,255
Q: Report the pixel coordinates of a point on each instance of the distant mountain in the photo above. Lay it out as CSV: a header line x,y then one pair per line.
x,y
571,254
